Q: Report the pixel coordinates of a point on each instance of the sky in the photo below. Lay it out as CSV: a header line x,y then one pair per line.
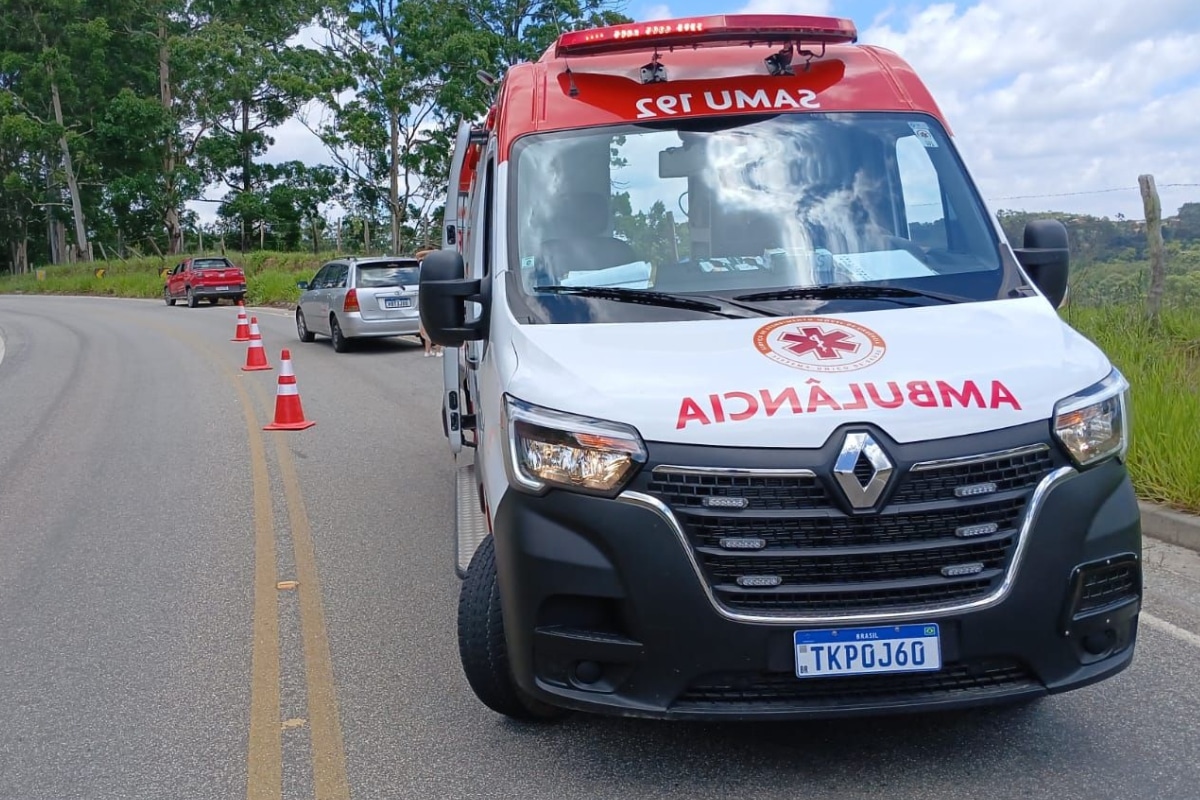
x,y
1055,104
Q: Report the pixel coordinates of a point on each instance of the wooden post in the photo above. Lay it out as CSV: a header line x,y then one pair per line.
x,y
1154,242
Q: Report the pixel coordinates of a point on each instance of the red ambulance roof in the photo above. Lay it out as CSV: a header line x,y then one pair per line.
x,y
703,77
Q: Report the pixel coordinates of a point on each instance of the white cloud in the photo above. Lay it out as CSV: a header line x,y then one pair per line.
x,y
1063,98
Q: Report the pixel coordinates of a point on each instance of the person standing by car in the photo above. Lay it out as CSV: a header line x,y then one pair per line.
x,y
431,349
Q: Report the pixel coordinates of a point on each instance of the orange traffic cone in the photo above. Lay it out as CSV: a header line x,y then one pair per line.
x,y
289,415
243,327
256,357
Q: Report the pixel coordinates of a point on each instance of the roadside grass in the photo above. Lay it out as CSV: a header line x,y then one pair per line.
x,y
274,287
1162,364
270,277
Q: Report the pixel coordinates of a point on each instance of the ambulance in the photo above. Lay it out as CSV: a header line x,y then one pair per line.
x,y
755,412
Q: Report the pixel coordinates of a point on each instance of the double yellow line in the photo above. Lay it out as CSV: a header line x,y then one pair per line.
x,y
265,750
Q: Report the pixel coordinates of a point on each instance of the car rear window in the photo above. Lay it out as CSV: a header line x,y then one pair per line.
x,y
387,275
212,263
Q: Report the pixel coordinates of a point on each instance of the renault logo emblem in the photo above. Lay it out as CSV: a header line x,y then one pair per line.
x,y
862,470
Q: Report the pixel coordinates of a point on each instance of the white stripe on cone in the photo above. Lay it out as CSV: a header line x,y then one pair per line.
x,y
285,369
287,389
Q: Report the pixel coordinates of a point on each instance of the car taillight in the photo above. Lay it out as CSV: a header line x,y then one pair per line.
x,y
351,303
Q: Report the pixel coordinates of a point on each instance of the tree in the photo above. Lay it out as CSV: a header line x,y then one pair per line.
x,y
246,77
55,51
405,62
521,30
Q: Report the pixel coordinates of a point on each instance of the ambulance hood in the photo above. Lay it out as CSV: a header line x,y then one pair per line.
x,y
918,373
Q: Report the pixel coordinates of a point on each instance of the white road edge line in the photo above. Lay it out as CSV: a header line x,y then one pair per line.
x,y
1,349
1182,634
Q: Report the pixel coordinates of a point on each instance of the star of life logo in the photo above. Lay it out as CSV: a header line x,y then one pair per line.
x,y
820,344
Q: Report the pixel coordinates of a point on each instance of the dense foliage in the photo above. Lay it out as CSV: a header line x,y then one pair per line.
x,y
115,114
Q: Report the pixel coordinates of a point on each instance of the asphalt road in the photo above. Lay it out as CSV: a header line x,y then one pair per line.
x,y
147,649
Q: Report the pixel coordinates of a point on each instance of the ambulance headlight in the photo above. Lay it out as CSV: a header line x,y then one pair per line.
x,y
1094,424
550,449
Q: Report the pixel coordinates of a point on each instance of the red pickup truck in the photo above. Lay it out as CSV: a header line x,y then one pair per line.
x,y
209,278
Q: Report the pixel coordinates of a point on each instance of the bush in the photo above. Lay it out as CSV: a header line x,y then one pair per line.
x,y
1162,364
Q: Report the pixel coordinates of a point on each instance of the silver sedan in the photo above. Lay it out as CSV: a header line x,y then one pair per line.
x,y
352,298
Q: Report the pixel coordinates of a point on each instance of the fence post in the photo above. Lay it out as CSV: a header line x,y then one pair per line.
x,y
1154,242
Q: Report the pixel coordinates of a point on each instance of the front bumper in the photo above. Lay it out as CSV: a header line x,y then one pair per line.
x,y
607,609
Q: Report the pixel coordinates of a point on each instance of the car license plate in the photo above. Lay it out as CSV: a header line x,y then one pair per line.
x,y
222,288
396,302
868,651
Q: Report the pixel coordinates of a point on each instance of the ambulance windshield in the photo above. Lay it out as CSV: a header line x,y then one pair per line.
x,y
748,206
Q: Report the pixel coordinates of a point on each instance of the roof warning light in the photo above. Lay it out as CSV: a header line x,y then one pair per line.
x,y
715,30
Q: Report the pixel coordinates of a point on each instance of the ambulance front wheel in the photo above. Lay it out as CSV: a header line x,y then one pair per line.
x,y
481,644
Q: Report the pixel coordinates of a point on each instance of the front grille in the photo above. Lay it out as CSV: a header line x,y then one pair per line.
x,y
762,491
795,532
1019,471
1103,586
729,691
777,543
875,565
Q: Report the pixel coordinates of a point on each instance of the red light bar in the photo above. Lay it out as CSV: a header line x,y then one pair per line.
x,y
718,29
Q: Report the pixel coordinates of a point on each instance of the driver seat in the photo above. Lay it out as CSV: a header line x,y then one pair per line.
x,y
583,239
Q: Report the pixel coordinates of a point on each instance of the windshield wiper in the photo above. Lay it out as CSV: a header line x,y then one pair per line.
x,y
652,298
850,292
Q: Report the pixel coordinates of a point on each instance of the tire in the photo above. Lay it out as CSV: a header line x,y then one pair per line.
x,y
302,331
167,297
340,343
191,298
482,648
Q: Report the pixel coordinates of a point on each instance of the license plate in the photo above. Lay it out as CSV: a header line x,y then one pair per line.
x,y
396,302
222,288
868,651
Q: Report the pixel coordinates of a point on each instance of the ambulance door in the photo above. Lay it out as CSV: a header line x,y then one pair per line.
x,y
477,261
453,368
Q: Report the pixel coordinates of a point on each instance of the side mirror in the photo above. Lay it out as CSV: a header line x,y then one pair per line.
x,y
302,285
443,294
1046,256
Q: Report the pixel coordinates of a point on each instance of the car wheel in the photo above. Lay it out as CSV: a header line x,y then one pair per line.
x,y
302,330
481,645
340,343
167,297
191,298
